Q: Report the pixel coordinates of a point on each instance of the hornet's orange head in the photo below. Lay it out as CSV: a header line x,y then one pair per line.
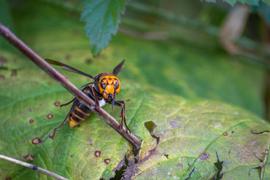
x,y
108,84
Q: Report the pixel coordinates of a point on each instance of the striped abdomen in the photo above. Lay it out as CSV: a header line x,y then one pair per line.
x,y
79,112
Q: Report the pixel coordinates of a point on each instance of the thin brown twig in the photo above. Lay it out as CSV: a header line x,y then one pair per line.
x,y
40,62
33,167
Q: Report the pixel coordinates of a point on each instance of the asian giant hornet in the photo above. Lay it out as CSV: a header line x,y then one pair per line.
x,y
103,90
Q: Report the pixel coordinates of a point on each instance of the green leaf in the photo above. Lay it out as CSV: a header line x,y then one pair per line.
x,y
192,133
102,19
32,112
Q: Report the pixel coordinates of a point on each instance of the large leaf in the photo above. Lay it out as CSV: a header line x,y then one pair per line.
x,y
102,19
190,133
32,111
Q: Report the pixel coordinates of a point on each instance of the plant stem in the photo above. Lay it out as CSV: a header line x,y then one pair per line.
x,y
33,167
40,62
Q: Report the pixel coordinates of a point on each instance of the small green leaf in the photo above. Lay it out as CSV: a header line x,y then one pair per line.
x,y
199,140
102,19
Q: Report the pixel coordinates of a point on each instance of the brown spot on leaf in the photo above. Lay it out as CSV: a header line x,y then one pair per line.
x,y
225,134
36,140
3,60
175,123
57,103
204,156
67,57
97,153
90,141
107,161
88,60
2,77
180,165
49,116
13,73
31,121
28,157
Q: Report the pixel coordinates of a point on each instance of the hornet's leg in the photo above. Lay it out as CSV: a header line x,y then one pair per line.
x,y
94,94
52,133
65,104
122,114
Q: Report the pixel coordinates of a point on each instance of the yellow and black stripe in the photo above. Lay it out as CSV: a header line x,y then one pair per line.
x,y
79,112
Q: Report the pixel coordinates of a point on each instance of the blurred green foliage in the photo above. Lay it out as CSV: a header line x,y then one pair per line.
x,y
106,15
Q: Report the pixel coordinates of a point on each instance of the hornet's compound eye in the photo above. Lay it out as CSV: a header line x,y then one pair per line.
x,y
116,84
103,85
